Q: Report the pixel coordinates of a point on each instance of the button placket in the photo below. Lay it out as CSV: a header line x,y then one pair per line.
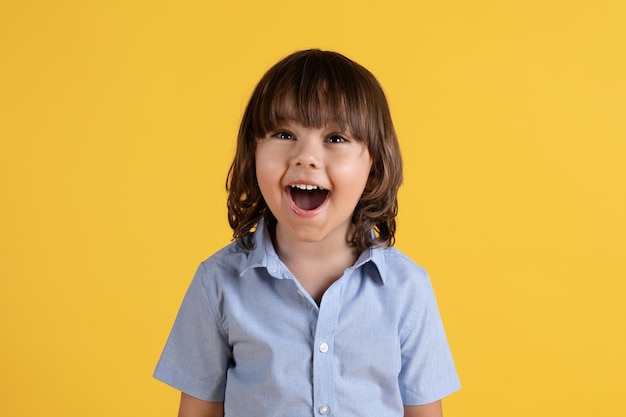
x,y
323,368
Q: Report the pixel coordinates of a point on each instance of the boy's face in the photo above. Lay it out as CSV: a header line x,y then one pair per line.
x,y
311,180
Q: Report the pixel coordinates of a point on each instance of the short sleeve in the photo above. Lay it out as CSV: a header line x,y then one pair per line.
x,y
428,372
197,354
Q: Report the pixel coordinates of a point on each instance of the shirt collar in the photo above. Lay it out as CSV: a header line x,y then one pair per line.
x,y
257,256
264,255
375,255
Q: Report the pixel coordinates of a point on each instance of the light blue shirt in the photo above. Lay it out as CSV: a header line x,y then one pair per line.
x,y
248,333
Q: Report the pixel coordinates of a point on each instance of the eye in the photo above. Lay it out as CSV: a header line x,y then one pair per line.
x,y
336,139
281,134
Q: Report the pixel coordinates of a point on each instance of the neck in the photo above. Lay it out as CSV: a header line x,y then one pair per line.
x,y
333,250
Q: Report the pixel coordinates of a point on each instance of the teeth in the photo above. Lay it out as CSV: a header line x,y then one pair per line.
x,y
307,187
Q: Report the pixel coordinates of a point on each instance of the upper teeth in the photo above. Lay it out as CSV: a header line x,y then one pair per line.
x,y
306,187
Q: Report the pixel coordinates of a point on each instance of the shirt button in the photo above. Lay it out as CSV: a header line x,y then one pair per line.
x,y
324,347
324,410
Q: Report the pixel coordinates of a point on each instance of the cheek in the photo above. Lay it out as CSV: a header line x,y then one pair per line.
x,y
262,176
266,169
359,170
269,158
269,173
260,162
352,176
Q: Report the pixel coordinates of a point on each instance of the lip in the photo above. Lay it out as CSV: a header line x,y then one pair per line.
x,y
301,212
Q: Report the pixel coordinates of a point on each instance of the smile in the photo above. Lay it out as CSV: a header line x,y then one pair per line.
x,y
306,197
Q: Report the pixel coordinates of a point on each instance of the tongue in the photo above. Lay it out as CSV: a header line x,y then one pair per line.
x,y
308,200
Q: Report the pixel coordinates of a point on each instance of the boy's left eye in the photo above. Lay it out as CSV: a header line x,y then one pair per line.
x,y
336,139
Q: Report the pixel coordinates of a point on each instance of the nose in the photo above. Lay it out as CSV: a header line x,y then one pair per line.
x,y
308,154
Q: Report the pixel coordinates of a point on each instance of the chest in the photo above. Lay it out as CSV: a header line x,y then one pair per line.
x,y
303,356
358,324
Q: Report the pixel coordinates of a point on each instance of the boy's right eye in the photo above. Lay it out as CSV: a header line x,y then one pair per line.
x,y
281,134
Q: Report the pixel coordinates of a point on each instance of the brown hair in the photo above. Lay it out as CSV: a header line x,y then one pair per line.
x,y
314,88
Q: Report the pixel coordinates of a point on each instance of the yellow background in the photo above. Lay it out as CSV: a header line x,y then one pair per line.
x,y
117,126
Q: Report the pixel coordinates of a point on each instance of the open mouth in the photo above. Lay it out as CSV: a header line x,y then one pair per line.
x,y
307,197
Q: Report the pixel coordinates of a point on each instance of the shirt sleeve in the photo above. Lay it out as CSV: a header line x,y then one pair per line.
x,y
428,372
197,354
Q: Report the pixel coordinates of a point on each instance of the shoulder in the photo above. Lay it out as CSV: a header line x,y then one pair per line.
x,y
232,253
394,255
403,276
398,267
236,259
224,265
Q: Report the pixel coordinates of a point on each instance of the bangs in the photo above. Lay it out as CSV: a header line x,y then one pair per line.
x,y
314,91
